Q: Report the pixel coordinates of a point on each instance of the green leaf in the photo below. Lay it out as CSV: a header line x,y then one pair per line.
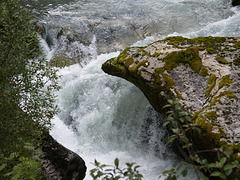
x,y
189,119
228,166
2,166
182,119
184,172
165,123
175,130
212,165
187,145
108,170
197,129
228,172
136,167
222,161
96,163
218,174
12,156
172,138
185,125
116,162
166,106
139,176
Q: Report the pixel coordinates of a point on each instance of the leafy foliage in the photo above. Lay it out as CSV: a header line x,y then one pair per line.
x,y
108,172
26,88
27,167
180,122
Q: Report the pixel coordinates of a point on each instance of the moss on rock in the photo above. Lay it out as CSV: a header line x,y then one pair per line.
x,y
225,81
138,65
189,56
197,72
222,60
212,115
237,61
204,71
212,82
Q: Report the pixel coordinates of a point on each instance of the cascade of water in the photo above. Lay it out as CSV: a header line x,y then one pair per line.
x,y
105,117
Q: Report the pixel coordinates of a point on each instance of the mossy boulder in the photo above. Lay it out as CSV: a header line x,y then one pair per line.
x,y
203,72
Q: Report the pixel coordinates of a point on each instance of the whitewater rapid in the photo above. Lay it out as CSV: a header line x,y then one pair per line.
x,y
105,117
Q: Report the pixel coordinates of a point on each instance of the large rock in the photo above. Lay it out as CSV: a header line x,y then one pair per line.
x,y
61,163
203,72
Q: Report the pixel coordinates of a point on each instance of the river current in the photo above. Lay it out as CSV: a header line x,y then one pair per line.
x,y
104,117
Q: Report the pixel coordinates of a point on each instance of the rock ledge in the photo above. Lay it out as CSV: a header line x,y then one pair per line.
x,y
203,72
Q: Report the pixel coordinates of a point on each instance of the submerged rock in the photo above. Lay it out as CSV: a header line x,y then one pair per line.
x,y
60,162
203,72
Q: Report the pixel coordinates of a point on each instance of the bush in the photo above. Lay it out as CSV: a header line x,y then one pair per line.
x,y
26,85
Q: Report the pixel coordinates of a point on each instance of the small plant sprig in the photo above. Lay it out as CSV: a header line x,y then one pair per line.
x,y
180,122
224,168
109,172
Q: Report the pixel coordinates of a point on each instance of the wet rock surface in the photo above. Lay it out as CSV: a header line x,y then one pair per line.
x,y
60,162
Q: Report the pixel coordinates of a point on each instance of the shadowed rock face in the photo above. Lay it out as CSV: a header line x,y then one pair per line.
x,y
202,72
60,162
235,2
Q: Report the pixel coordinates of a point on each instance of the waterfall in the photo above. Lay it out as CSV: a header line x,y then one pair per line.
x,y
107,117
104,117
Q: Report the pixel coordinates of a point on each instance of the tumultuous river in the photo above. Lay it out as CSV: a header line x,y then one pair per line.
x,y
104,117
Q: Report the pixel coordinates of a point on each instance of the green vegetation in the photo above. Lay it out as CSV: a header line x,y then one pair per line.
x,y
211,51
123,54
108,172
212,82
211,43
204,71
26,93
137,66
237,44
163,81
60,61
211,115
225,81
189,56
222,60
223,166
229,94
236,61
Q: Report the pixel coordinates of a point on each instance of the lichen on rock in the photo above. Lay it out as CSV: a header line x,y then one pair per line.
x,y
203,72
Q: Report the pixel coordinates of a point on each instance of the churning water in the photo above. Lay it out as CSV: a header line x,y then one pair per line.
x,y
104,117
